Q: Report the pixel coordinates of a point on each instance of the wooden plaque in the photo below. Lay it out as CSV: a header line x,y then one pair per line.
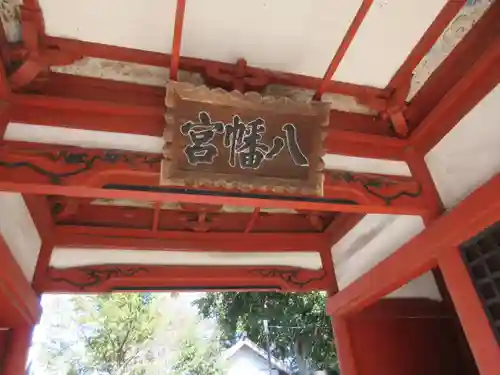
x,y
215,138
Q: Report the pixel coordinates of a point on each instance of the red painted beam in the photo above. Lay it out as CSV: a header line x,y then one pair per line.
x,y
178,219
96,104
176,42
98,279
86,173
365,145
478,211
420,172
364,93
426,42
344,45
114,238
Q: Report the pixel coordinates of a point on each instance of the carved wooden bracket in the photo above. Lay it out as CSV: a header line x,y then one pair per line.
x,y
392,108
239,78
33,58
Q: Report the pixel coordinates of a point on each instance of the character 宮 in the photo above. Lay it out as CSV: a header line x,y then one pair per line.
x,y
201,134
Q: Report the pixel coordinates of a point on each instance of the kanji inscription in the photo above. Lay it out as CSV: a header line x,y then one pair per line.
x,y
244,142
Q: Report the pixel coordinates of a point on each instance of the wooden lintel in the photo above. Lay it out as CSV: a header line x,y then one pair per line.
x,y
125,238
89,173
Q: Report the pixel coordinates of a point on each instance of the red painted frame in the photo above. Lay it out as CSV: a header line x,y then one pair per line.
x,y
436,246
98,279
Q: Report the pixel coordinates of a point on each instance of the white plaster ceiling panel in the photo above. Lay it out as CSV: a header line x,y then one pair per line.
x,y
388,34
366,165
82,138
454,33
19,232
125,72
73,257
146,25
337,101
424,286
299,36
292,36
469,155
372,240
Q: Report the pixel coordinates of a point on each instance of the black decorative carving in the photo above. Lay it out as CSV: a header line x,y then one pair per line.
x,y
84,160
95,277
291,276
375,185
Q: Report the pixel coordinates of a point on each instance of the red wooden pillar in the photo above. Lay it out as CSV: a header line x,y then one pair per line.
x,y
480,336
345,353
16,348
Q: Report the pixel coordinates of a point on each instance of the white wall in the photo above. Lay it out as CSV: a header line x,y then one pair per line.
x,y
19,232
470,154
372,240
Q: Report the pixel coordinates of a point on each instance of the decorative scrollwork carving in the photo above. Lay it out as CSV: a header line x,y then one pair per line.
x,y
94,277
383,188
82,159
290,276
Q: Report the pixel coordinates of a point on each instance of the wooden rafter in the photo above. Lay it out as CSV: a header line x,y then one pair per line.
x,y
344,45
177,39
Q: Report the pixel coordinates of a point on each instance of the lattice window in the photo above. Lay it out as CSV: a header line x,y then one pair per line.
x,y
481,254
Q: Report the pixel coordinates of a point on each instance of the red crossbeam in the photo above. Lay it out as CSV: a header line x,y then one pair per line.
x,y
97,279
87,173
125,238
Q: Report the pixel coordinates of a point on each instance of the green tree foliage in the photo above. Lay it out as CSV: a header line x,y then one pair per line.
x,y
117,330
197,358
300,329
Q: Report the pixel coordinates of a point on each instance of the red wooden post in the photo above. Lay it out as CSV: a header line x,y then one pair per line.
x,y
343,344
479,334
17,348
